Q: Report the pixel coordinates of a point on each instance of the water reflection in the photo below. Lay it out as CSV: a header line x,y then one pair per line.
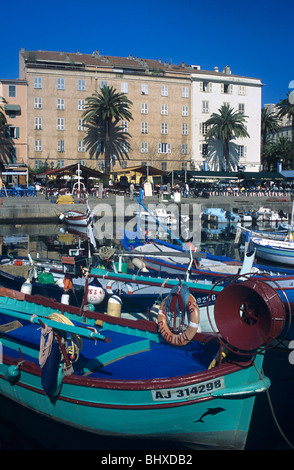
x,y
52,240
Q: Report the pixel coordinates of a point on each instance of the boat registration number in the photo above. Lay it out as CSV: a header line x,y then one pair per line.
x,y
190,392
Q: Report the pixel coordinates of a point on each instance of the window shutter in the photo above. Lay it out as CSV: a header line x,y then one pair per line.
x,y
222,88
17,132
201,86
210,87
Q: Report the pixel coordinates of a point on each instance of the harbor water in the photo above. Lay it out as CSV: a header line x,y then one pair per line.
x,y
21,429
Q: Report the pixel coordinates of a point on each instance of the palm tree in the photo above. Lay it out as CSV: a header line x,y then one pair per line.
x,y
3,120
286,108
269,125
119,141
105,108
226,125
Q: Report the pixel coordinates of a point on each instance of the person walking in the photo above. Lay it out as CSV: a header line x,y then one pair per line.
x,y
132,191
186,192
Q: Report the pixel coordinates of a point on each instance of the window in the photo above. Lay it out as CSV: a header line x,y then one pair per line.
x,y
164,128
241,107
204,149
164,109
38,145
82,162
184,129
241,90
124,146
12,132
184,149
144,108
124,126
81,105
38,123
144,89
185,92
164,166
103,84
226,88
143,163
144,147
60,163
124,87
60,146
38,164
81,85
60,103
12,155
203,128
164,90
124,164
206,87
184,166
81,146
242,151
60,84
38,103
205,106
144,127
60,124
185,111
81,126
12,91
37,82
164,148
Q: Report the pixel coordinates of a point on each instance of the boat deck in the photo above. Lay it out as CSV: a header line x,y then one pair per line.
x,y
125,357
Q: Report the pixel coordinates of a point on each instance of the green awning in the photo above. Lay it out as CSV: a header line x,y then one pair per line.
x,y
12,108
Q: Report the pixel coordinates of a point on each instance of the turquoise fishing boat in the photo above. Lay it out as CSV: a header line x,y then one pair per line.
x,y
162,379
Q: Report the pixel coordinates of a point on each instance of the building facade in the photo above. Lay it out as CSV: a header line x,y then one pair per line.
x,y
14,145
211,90
170,106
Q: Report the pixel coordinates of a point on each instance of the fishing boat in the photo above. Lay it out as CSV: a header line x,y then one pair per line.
x,y
244,234
266,214
279,252
139,378
77,218
161,215
166,258
73,217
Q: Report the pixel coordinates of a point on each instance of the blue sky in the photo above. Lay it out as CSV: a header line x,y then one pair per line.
x,y
253,37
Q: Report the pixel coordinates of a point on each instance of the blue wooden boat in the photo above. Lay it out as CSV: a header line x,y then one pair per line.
x,y
128,378
164,259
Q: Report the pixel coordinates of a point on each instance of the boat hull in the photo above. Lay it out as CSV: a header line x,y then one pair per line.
x,y
125,410
281,253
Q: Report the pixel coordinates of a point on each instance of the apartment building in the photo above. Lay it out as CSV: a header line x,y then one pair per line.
x,y
211,90
170,106
14,144
285,129
59,83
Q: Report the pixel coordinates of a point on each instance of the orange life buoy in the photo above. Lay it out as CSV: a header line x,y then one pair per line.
x,y
182,338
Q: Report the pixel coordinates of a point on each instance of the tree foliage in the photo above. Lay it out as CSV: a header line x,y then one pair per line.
x,y
103,111
224,126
